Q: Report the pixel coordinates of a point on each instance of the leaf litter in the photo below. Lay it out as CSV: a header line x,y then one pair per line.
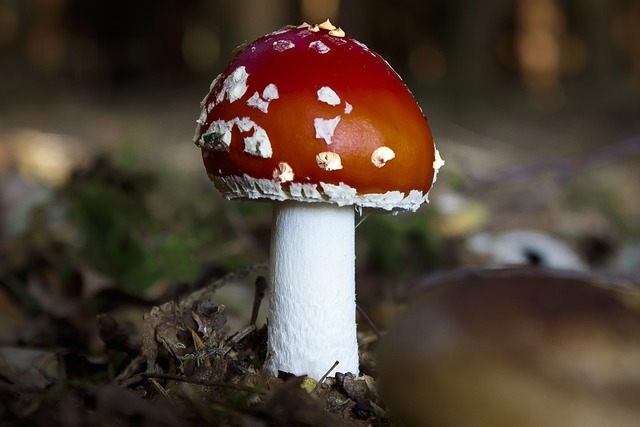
x,y
189,369
73,351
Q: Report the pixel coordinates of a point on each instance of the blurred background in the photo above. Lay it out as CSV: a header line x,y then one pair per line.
x,y
534,105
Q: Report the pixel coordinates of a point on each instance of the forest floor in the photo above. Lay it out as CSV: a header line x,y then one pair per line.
x,y
116,254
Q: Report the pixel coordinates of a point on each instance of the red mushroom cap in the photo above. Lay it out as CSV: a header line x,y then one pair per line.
x,y
308,114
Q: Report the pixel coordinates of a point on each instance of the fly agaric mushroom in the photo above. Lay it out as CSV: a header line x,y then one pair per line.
x,y
318,123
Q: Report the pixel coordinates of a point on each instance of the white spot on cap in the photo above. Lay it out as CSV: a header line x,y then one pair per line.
x,y
325,128
338,32
327,25
202,118
234,86
270,92
200,122
329,161
338,41
328,95
281,30
258,102
206,105
319,47
213,84
218,136
381,156
348,108
438,162
282,45
245,124
283,173
258,144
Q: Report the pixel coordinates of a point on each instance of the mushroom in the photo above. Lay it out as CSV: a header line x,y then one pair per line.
x,y
515,347
322,126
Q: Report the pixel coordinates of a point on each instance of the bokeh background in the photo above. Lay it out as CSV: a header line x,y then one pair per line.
x,y
534,105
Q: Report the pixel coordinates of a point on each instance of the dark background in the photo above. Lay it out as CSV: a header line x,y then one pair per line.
x,y
551,47
533,104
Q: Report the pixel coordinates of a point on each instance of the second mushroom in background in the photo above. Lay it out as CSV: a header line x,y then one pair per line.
x,y
524,347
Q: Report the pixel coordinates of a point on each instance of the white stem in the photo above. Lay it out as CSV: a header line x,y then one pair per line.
x,y
312,274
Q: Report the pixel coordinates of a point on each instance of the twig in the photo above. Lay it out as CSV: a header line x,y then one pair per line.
x,y
261,287
362,220
368,320
326,374
239,336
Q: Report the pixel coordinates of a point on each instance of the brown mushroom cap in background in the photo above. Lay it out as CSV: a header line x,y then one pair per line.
x,y
517,348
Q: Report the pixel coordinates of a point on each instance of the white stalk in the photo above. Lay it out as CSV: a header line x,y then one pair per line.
x,y
312,275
